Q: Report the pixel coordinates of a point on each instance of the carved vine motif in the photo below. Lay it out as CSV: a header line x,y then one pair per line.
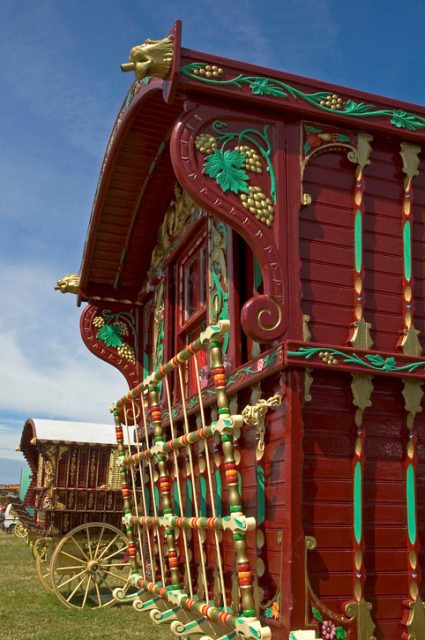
x,y
373,362
113,328
218,286
180,212
323,100
230,156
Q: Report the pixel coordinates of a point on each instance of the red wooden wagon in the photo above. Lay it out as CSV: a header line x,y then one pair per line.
x,y
75,526
295,210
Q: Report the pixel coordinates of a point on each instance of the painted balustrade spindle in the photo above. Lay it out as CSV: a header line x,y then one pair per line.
x,y
231,475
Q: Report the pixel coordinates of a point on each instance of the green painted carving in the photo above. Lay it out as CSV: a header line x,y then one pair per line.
x,y
411,503
357,496
374,362
227,167
189,499
218,494
112,328
259,140
156,498
407,250
358,240
230,156
110,335
323,100
203,498
261,499
148,501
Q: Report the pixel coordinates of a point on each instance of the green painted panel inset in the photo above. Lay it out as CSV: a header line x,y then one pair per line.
x,y
189,499
411,503
261,499
240,484
358,502
358,240
218,494
407,250
177,507
258,276
148,501
156,495
203,500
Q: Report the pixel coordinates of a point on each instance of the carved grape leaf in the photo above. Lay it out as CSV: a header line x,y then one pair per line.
x,y
357,107
317,614
110,335
265,87
227,168
403,120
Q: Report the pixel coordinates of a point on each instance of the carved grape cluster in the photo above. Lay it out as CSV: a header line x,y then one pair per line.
x,y
206,143
127,352
333,101
208,71
327,357
259,204
98,322
123,328
252,159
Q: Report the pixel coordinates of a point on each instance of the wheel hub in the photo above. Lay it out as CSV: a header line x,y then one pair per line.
x,y
93,566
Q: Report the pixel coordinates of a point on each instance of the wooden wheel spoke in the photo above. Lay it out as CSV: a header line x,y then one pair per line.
x,y
116,537
77,544
86,591
69,555
76,575
98,542
89,543
99,597
66,568
112,555
117,564
76,589
114,575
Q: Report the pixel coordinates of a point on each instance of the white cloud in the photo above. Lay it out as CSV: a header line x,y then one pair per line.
x,y
45,369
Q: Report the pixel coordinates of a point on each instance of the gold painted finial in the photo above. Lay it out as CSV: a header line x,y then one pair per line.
x,y
152,58
68,284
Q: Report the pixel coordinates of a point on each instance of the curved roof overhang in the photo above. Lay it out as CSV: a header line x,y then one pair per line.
x,y
135,187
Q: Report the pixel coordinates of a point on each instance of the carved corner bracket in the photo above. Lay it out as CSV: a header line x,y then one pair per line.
x,y
109,332
225,162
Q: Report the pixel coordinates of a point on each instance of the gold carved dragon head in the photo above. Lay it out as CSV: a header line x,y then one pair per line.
x,y
152,58
68,284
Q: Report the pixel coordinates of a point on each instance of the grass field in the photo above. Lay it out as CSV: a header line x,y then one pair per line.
x,y
27,612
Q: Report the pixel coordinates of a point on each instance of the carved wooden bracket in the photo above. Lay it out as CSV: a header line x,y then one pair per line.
x,y
226,161
109,332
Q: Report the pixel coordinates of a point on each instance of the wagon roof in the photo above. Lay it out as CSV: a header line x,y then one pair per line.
x,y
69,432
137,176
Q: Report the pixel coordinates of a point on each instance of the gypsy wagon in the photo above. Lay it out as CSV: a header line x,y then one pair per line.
x,y
282,220
75,528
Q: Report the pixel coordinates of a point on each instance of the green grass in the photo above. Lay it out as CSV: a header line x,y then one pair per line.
x,y
27,612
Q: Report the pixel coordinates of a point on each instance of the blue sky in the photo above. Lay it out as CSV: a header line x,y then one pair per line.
x,y
61,89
